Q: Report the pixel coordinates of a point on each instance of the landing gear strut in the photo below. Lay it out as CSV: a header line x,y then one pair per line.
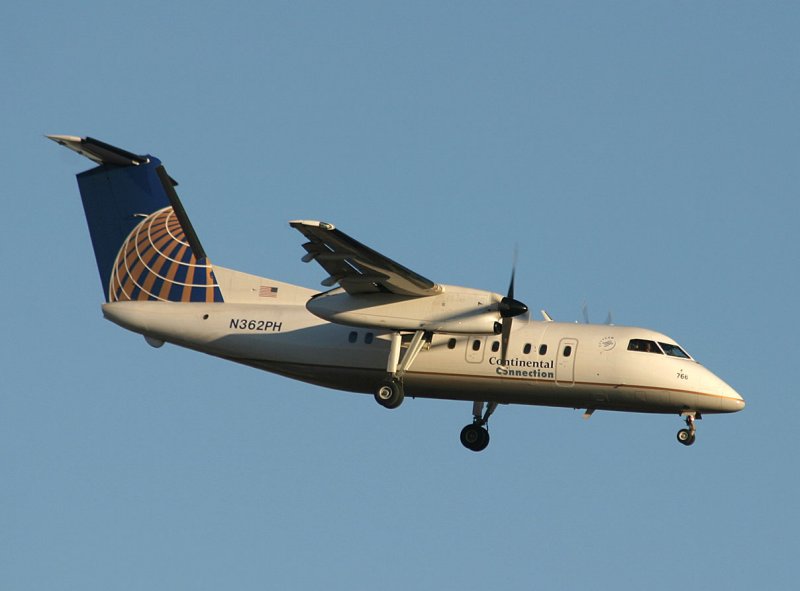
x,y
686,436
475,436
390,393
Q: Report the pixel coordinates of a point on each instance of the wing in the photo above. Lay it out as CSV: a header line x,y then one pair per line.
x,y
358,268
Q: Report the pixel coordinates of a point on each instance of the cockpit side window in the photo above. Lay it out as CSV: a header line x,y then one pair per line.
x,y
644,346
674,351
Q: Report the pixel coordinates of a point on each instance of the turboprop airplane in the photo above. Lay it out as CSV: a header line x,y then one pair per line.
x,y
379,328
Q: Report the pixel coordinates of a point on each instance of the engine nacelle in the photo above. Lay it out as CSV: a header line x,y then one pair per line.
x,y
458,310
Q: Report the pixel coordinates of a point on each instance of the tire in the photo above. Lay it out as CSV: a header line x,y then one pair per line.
x,y
390,394
474,438
685,437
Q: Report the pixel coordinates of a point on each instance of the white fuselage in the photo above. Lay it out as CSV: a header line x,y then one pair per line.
x,y
548,363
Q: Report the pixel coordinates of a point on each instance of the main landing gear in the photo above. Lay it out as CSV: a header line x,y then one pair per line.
x,y
475,436
686,436
390,393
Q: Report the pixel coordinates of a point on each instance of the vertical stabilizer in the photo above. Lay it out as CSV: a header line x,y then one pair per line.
x,y
144,243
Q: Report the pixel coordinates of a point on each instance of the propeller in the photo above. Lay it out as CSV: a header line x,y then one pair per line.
x,y
508,308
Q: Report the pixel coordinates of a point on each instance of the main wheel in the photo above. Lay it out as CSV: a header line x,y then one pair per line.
x,y
474,438
685,437
390,394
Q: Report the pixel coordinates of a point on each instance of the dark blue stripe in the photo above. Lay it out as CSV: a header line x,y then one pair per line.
x,y
198,294
175,293
157,285
187,256
180,273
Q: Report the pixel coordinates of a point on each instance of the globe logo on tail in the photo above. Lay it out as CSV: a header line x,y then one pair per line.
x,y
157,263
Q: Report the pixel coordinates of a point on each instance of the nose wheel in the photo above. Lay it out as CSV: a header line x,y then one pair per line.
x,y
686,436
475,436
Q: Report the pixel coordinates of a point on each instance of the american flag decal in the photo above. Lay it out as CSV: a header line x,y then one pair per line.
x,y
267,291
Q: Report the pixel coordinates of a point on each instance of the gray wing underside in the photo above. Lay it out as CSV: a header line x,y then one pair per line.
x,y
357,268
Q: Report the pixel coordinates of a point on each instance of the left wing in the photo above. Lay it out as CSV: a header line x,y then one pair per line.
x,y
357,268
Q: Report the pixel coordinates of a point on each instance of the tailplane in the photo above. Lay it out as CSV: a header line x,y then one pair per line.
x,y
144,243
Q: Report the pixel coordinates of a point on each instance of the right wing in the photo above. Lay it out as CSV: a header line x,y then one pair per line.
x,y
357,268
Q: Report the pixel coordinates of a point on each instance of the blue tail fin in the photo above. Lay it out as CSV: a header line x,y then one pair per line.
x,y
145,246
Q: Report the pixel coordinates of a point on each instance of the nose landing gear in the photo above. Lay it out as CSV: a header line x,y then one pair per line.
x,y
686,436
475,436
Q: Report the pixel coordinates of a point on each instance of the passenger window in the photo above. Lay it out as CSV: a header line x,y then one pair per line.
x,y
451,344
542,349
368,338
352,337
644,345
527,348
495,347
476,345
567,351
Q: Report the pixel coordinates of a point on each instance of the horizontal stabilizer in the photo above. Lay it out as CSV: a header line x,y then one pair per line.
x,y
98,151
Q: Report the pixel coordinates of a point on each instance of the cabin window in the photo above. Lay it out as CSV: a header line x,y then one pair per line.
x,y
476,345
495,347
451,344
527,348
352,337
644,346
368,338
567,351
674,351
542,349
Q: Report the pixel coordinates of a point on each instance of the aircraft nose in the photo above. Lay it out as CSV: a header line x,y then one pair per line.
x,y
732,401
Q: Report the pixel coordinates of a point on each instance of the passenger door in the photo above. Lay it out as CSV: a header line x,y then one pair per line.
x,y
565,362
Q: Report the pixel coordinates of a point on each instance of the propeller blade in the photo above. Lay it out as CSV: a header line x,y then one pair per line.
x,y
504,338
513,273
508,308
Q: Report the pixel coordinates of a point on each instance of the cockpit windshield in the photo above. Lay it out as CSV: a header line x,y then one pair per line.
x,y
674,351
644,346
647,346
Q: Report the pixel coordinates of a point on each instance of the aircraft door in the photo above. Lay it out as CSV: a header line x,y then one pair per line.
x,y
475,348
565,362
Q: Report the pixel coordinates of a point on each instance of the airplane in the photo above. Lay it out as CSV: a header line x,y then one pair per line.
x,y
377,328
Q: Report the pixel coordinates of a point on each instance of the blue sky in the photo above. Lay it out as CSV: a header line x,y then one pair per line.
x,y
644,157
